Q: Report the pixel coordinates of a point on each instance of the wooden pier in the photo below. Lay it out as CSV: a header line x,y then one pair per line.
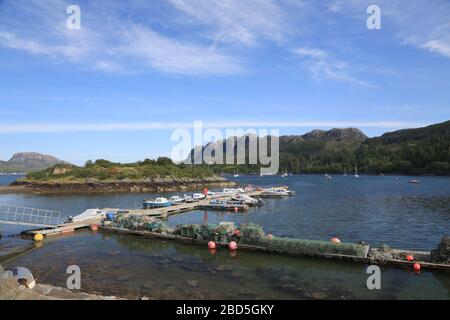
x,y
162,213
186,207
65,228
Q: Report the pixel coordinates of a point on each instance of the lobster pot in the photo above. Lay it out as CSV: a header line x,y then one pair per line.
x,y
313,248
153,226
207,231
192,231
251,233
130,223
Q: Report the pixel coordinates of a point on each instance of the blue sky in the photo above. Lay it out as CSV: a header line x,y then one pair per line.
x,y
137,70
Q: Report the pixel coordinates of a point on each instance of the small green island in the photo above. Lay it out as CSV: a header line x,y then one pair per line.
x,y
160,175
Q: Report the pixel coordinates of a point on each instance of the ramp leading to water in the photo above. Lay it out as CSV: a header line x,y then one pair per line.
x,y
19,215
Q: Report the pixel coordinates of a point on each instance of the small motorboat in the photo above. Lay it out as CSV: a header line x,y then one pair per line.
x,y
247,200
286,189
274,193
188,199
232,191
414,181
157,203
176,200
88,214
211,194
198,196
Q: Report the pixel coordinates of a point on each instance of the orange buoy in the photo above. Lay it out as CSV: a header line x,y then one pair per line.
x,y
409,258
335,240
232,246
211,245
94,227
417,267
236,209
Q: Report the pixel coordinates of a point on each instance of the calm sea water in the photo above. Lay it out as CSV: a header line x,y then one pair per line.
x,y
375,209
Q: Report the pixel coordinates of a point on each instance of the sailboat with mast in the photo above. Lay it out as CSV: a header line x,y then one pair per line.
x,y
236,175
356,171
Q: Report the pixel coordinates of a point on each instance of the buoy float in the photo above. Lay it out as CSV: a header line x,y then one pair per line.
x,y
38,237
409,258
335,240
270,237
94,227
237,232
417,267
232,246
211,245
236,209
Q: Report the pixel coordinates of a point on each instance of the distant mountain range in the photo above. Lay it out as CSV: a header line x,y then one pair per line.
x,y
411,151
29,161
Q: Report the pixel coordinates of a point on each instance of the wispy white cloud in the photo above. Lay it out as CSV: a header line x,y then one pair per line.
x,y
310,53
242,22
173,56
422,24
149,126
438,46
107,41
323,67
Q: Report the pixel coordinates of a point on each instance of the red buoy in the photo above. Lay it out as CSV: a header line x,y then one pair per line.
x,y
236,209
409,258
94,227
417,267
211,245
232,246
335,240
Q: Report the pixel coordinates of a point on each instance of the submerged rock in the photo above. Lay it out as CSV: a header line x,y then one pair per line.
x,y
192,283
317,295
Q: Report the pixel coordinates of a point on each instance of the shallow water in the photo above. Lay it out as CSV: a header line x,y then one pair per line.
x,y
373,209
132,267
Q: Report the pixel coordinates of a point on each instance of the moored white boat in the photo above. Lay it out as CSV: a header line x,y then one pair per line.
x,y
274,193
176,200
247,200
89,214
198,196
160,202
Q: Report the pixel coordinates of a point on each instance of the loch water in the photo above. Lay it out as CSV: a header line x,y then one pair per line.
x,y
374,209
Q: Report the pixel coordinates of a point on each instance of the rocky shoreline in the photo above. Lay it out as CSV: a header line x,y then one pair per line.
x,y
11,289
94,186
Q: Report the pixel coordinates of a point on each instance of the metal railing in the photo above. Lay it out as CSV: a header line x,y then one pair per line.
x,y
12,214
